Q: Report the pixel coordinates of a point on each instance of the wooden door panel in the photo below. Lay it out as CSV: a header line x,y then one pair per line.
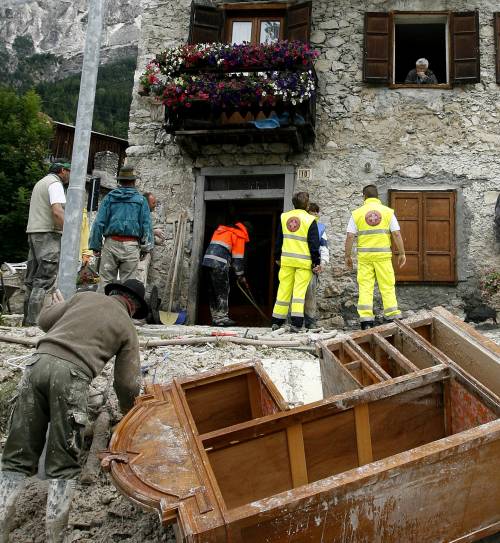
x,y
377,48
437,236
438,267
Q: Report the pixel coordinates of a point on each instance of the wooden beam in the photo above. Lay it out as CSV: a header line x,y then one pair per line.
x,y
197,248
262,194
393,353
297,455
246,170
254,395
363,434
362,355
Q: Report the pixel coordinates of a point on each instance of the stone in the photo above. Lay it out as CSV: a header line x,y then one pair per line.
x,y
329,25
490,197
318,36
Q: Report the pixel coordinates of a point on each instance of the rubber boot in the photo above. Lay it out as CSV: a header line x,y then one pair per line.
x,y
11,484
59,499
35,306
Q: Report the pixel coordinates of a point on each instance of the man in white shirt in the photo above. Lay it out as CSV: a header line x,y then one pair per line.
x,y
45,224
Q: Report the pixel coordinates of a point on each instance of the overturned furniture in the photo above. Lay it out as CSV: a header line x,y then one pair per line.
x,y
405,447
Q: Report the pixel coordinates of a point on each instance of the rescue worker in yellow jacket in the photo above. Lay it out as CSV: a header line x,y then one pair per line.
x,y
375,224
297,250
226,249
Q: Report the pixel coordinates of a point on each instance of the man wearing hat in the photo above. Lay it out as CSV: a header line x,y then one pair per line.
x,y
45,224
82,335
124,221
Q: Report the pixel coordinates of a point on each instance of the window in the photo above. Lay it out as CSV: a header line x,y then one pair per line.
x,y
427,221
266,29
395,40
254,22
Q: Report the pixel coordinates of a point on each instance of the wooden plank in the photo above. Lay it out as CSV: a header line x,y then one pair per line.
x,y
254,395
335,378
262,194
448,426
326,407
246,170
297,455
197,248
363,435
330,445
374,367
207,377
394,354
406,421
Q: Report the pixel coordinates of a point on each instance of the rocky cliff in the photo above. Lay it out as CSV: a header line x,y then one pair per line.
x,y
58,27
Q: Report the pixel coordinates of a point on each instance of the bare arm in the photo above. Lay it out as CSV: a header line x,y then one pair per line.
x,y
58,215
398,241
349,240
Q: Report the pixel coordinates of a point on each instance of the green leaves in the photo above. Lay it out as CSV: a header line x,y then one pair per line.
x,y
25,134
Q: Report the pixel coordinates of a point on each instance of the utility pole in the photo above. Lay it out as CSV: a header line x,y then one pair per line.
x,y
70,243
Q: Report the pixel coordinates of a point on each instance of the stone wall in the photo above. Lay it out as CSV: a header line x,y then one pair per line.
x,y
422,138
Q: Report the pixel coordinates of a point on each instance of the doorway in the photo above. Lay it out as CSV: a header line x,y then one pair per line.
x,y
260,268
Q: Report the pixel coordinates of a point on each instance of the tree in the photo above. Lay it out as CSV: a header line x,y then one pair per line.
x,y
25,134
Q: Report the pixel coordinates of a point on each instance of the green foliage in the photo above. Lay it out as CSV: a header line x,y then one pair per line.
x,y
24,139
112,100
490,282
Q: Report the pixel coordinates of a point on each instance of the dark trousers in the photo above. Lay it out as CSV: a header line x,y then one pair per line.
x,y
218,292
41,272
51,390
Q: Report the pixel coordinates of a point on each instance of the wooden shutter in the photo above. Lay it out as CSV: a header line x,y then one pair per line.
x,y
206,23
298,21
408,210
465,47
439,236
497,43
377,48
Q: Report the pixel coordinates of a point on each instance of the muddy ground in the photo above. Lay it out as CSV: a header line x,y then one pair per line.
x,y
99,513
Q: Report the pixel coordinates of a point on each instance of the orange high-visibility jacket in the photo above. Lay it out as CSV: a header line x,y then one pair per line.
x,y
227,246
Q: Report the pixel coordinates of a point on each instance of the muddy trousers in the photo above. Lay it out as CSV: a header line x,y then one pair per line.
x,y
118,256
41,272
218,293
51,390
292,288
368,270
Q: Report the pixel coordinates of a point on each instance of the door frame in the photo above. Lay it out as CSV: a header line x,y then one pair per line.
x,y
201,196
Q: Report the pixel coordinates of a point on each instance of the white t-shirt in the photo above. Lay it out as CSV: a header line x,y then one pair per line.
x,y
56,194
353,229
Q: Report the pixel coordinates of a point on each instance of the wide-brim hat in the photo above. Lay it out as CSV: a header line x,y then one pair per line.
x,y
126,174
134,288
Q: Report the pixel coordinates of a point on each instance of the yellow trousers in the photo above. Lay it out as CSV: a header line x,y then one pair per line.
x,y
293,287
384,272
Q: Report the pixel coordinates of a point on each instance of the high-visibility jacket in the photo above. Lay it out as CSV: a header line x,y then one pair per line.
x,y
295,250
373,220
227,246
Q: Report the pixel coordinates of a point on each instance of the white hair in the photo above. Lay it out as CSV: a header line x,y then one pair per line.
x,y
422,62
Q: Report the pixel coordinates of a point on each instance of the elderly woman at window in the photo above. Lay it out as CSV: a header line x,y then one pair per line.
x,y
421,75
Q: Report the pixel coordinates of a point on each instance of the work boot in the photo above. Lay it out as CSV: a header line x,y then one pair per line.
x,y
365,325
295,329
309,322
59,499
275,327
11,484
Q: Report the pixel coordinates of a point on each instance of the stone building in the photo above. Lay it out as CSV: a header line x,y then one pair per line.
x,y
433,150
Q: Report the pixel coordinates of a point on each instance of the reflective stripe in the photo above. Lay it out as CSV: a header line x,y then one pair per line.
x,y
218,258
239,273
293,236
366,319
278,316
364,307
394,317
223,243
376,231
391,309
237,256
296,255
298,301
374,250
296,314
285,304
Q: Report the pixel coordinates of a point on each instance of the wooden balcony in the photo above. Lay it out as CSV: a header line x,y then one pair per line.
x,y
208,124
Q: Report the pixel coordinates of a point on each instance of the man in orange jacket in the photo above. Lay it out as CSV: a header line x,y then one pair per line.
x,y
226,249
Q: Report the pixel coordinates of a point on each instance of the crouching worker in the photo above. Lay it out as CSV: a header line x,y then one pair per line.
x,y
82,335
226,249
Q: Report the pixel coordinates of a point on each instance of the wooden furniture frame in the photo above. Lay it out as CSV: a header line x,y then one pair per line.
x,y
412,456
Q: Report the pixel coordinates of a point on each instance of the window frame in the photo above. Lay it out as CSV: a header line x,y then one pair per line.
x,y
256,20
402,15
455,233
